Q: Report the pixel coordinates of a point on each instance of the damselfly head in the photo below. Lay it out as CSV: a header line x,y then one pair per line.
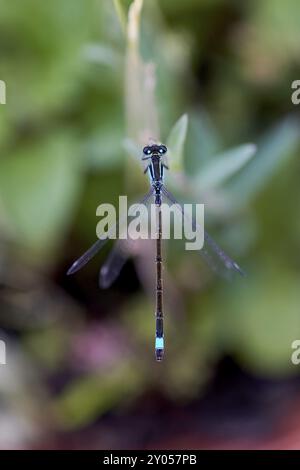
x,y
155,149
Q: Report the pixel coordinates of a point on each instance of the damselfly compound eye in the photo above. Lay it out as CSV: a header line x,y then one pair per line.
x,y
162,149
147,150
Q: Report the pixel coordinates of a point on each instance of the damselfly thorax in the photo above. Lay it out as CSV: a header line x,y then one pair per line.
x,y
155,168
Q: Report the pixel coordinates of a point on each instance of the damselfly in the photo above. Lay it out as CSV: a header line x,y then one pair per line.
x,y
153,156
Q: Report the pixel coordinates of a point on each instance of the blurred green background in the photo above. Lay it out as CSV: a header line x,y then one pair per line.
x,y
87,83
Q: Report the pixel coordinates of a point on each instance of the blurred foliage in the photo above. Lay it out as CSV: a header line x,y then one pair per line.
x,y
89,82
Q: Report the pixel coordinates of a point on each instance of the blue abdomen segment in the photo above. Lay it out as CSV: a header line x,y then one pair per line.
x,y
159,347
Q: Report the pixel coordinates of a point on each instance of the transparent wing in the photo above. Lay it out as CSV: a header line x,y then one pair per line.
x,y
213,255
93,250
120,253
113,265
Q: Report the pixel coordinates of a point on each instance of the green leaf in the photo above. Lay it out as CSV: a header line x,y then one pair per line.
x,y
223,166
260,328
133,149
103,148
45,68
203,142
39,185
94,395
101,54
273,150
121,13
175,143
